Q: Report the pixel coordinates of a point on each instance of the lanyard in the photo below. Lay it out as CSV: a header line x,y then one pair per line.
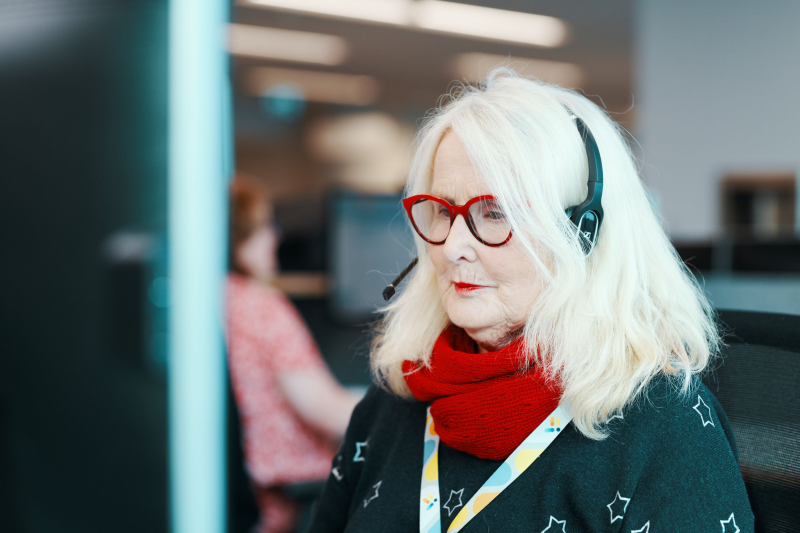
x,y
516,463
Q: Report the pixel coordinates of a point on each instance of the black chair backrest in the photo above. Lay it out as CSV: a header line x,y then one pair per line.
x,y
758,384
242,507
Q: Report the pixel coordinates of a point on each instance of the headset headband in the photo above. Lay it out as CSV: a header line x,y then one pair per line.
x,y
588,215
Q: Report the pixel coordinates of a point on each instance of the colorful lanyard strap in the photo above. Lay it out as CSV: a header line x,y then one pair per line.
x,y
516,463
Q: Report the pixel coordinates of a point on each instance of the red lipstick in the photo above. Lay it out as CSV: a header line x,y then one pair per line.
x,y
464,288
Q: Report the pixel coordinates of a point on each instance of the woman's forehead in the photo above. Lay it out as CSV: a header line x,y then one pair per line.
x,y
454,177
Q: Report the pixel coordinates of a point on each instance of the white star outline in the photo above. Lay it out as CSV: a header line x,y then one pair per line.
x,y
376,486
645,528
618,497
728,521
697,408
358,458
562,523
458,493
335,470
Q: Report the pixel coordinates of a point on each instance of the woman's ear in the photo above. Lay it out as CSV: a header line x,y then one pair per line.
x,y
236,258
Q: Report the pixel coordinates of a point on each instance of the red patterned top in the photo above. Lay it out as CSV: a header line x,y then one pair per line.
x,y
266,336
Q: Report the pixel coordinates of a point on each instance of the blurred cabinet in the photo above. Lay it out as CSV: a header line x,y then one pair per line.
x,y
83,96
759,204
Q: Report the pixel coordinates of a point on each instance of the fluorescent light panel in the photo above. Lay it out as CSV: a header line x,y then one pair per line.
x,y
489,23
436,16
385,11
324,87
474,66
286,45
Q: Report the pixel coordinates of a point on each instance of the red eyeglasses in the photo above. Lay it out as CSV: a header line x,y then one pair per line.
x,y
432,218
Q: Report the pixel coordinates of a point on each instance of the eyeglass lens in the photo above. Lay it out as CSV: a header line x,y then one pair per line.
x,y
486,219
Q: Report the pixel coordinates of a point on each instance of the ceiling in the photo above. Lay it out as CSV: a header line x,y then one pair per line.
x,y
413,67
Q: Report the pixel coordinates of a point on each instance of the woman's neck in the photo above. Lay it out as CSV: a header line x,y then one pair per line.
x,y
492,343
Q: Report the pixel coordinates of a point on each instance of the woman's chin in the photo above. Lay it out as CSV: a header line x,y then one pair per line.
x,y
468,315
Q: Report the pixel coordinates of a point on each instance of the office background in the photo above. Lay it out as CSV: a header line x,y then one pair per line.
x,y
323,107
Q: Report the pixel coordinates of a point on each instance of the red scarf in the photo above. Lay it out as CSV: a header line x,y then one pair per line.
x,y
483,404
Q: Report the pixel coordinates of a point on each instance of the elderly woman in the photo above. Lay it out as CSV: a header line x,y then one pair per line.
x,y
534,375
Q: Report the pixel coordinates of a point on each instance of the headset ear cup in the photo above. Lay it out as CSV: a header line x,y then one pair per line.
x,y
587,228
587,241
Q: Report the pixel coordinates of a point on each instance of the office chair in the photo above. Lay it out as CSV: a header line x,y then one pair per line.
x,y
243,511
758,384
242,507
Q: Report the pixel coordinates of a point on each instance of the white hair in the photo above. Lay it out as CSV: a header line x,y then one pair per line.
x,y
604,325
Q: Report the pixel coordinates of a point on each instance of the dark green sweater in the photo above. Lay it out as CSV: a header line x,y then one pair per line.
x,y
666,466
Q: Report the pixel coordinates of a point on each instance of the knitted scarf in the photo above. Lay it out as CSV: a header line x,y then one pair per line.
x,y
482,404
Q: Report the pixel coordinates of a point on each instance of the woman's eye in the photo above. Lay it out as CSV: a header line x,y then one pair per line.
x,y
443,212
493,212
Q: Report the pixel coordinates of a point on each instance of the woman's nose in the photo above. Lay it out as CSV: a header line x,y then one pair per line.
x,y
459,245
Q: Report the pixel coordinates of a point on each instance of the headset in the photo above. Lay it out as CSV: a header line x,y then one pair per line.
x,y
586,217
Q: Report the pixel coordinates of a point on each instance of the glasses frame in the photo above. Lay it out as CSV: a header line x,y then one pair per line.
x,y
454,211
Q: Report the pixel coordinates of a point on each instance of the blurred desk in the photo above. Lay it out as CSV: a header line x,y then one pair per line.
x,y
303,284
747,273
766,293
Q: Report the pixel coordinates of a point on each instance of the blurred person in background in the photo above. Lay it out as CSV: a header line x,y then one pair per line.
x,y
536,376
293,412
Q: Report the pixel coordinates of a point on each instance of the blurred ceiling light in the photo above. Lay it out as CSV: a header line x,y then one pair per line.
x,y
324,87
368,151
489,23
386,11
286,45
474,66
436,16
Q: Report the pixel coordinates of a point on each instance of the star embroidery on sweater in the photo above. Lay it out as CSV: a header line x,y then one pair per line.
x,y
705,408
376,486
335,470
358,458
645,528
731,521
614,507
557,522
454,504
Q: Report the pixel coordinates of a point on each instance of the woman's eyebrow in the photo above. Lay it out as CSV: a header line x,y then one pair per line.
x,y
446,198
